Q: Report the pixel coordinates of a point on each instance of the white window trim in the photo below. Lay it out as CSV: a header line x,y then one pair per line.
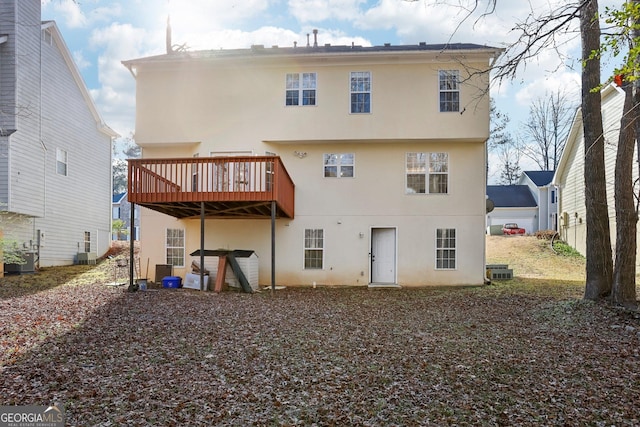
x,y
455,250
304,249
59,152
47,36
183,247
427,174
457,90
370,92
86,239
301,90
338,165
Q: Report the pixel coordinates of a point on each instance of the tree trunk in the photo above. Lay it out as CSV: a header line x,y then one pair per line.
x,y
624,273
599,269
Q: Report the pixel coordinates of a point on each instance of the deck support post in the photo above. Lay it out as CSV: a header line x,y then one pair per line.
x,y
273,245
202,284
131,246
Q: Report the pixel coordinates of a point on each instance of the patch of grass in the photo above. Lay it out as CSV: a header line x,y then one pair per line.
x,y
563,249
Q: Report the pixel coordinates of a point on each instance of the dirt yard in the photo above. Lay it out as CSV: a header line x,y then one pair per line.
x,y
524,352
533,258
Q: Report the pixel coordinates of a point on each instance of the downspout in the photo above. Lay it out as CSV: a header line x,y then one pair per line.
x,y
44,155
485,280
273,245
202,284
132,287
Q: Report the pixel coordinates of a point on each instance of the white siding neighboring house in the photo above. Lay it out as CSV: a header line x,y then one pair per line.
x,y
55,150
569,176
545,195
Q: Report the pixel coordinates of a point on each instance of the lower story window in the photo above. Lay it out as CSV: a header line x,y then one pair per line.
x,y
175,247
445,248
313,248
87,241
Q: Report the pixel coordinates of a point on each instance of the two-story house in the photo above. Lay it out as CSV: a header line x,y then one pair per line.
x,y
336,165
55,149
546,197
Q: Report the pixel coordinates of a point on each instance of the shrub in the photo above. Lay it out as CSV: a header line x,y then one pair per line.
x,y
561,248
545,234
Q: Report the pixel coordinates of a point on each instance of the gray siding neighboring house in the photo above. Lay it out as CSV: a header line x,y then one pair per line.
x,y
545,195
512,203
55,150
121,209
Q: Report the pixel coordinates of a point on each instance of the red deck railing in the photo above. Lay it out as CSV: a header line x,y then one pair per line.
x,y
239,179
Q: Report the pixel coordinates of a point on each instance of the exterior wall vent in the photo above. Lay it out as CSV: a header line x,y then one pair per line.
x,y
499,272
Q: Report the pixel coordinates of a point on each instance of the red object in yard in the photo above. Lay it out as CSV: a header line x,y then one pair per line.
x,y
512,229
617,79
222,271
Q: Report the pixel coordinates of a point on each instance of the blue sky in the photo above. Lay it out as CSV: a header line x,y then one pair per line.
x,y
102,33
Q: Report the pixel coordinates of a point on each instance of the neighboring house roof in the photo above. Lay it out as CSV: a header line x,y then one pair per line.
x,y
117,198
73,68
259,51
511,196
540,178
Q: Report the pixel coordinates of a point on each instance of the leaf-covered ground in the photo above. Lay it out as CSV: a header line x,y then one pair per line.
x,y
523,352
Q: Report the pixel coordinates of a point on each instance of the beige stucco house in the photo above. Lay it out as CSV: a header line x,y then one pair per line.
x,y
569,177
336,165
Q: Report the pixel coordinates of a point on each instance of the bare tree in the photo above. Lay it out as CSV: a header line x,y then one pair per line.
x,y
599,266
509,157
626,22
537,34
498,123
545,132
624,273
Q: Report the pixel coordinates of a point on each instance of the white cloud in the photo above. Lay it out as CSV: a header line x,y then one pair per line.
x,y
322,10
80,61
116,96
562,81
205,15
71,12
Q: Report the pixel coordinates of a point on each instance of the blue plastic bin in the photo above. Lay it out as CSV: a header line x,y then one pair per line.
x,y
171,282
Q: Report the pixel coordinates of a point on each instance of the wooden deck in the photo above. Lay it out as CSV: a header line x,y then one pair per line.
x,y
229,187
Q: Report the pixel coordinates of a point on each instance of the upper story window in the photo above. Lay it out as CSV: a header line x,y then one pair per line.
x,y
301,88
61,162
449,90
360,92
339,165
427,173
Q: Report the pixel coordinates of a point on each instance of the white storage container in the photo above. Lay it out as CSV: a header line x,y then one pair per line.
x,y
247,260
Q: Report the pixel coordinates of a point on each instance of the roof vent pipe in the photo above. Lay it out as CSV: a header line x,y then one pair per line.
x,y
315,38
168,36
308,40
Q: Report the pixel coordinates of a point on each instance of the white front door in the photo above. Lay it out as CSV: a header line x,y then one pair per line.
x,y
383,255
